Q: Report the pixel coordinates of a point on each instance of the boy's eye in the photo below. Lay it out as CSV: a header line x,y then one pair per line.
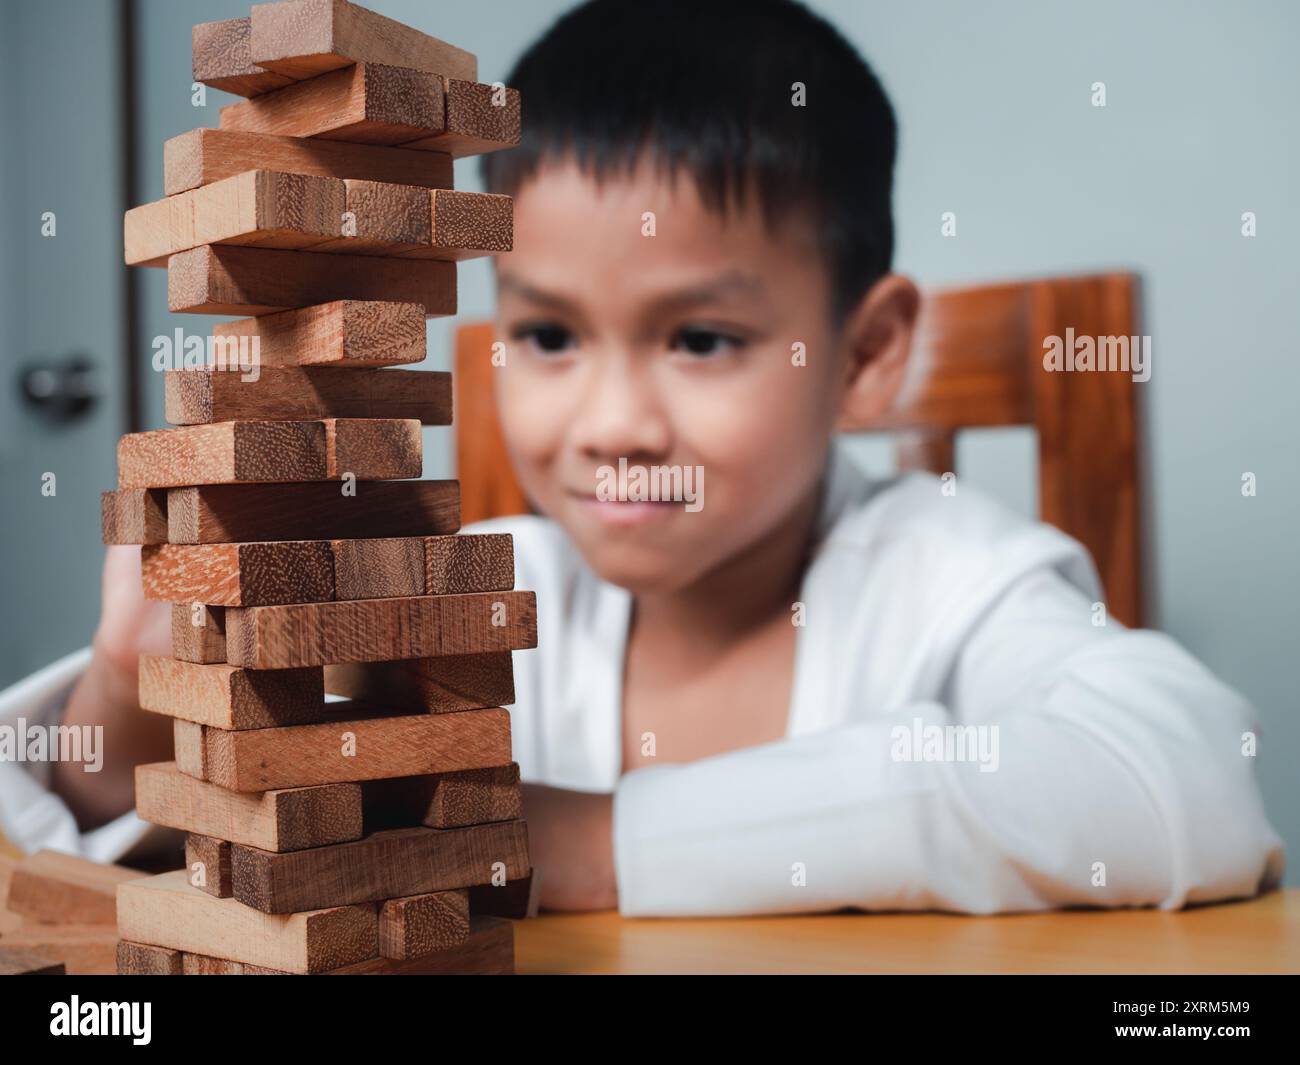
x,y
701,342
545,337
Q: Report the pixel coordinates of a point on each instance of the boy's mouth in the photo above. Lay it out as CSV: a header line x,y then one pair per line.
x,y
624,512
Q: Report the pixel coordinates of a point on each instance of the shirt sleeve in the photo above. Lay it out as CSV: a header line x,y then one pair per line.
x,y
32,817
1103,767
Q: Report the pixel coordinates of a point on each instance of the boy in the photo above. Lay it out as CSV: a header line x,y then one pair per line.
x,y
748,700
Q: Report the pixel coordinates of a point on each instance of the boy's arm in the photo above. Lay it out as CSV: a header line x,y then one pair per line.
x,y
1123,777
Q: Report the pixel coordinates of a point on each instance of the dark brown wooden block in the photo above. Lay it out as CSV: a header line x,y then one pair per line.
x,y
198,633
134,516
226,279
207,860
407,861
371,630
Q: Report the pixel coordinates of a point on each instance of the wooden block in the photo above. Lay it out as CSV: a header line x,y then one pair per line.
x,y
207,860
448,800
225,696
516,899
166,911
256,574
282,820
480,119
200,396
369,103
190,750
139,959
479,562
198,633
203,156
226,279
19,962
83,949
379,569
260,452
419,223
259,208
377,630
204,965
365,333
221,59
385,220
417,925
297,756
488,951
8,863
386,865
438,685
304,38
134,516
233,513
61,888
466,225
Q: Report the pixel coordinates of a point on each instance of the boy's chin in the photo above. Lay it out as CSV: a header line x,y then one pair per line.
x,y
637,569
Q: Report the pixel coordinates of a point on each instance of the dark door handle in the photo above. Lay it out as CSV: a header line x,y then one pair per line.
x,y
62,391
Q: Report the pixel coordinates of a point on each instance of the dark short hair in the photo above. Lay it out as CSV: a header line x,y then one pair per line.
x,y
707,86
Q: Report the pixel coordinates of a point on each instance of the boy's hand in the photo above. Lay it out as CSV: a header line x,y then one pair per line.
x,y
108,695
571,843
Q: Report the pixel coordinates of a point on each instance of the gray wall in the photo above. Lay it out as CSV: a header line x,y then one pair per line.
x,y
997,126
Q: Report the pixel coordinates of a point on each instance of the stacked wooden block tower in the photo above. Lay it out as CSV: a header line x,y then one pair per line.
x,y
381,833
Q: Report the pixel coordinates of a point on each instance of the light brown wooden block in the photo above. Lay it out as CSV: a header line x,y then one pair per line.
x,y
305,38
488,951
417,925
377,630
478,562
8,863
134,516
226,279
281,820
190,750
363,333
235,513
386,865
378,569
83,949
138,959
369,103
199,396
166,911
385,220
448,800
256,574
207,860
203,965
62,888
257,452
440,685
516,899
466,225
198,633
363,748
221,59
16,962
203,156
260,208
479,119
225,696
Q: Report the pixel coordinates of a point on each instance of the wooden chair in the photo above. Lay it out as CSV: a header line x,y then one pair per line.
x,y
978,363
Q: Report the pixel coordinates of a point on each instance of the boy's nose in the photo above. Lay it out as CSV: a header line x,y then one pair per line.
x,y
619,412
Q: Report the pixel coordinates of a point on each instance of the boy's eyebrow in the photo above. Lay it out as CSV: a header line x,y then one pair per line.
x,y
734,282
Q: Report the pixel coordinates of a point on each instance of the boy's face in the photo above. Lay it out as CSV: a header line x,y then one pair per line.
x,y
673,349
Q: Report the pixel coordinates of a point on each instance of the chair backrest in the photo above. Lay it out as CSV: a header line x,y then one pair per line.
x,y
978,363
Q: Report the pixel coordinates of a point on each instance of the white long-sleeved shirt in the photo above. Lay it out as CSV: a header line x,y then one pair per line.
x,y
962,734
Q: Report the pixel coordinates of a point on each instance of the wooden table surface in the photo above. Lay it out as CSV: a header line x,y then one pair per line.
x,y
1259,936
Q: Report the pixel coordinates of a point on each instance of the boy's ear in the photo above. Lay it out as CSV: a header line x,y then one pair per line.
x,y
878,334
